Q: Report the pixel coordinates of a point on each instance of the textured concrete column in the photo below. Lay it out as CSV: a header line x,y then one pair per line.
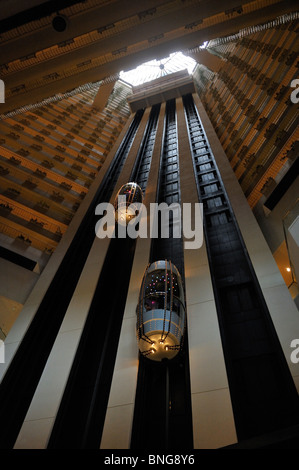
x,y
119,416
213,422
207,59
103,94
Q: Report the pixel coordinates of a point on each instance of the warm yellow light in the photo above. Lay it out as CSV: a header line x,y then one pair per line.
x,y
127,202
288,270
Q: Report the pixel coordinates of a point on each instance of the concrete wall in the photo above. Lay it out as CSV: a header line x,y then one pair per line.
x,y
17,282
281,243
271,222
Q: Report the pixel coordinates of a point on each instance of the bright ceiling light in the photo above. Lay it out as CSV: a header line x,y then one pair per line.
x,y
158,68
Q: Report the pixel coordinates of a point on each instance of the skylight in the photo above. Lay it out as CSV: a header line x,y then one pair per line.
x,y
158,68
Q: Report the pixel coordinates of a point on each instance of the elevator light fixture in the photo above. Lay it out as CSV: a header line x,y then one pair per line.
x,y
161,315
127,202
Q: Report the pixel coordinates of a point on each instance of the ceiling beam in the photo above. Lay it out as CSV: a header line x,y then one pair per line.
x,y
34,13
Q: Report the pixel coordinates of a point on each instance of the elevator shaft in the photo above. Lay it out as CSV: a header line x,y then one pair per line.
x,y
263,394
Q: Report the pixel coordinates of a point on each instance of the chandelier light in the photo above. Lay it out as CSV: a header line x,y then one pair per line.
x,y
127,202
